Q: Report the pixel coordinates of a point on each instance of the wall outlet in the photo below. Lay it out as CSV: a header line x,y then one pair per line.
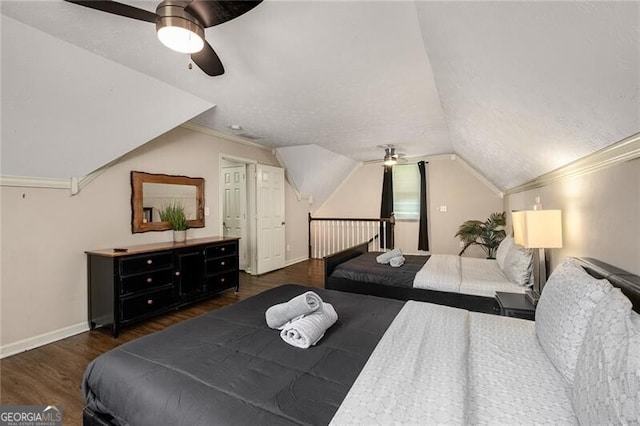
x,y
206,211
443,208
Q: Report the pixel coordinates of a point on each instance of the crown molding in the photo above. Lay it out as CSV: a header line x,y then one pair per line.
x,y
451,157
479,176
625,150
231,138
35,182
74,184
415,159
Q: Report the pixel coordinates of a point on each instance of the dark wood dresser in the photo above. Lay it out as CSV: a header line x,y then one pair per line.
x,y
143,281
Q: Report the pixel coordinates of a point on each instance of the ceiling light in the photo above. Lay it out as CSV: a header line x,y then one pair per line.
x,y
390,157
389,160
177,29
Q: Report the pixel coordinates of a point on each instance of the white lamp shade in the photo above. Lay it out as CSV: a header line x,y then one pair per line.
x,y
537,228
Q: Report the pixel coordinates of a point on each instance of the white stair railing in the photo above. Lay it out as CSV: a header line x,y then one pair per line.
x,y
328,235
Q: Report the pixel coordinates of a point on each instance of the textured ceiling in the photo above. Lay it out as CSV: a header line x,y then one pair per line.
x,y
515,88
530,86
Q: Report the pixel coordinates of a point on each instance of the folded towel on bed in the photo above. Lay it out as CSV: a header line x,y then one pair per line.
x,y
278,315
397,261
386,257
308,330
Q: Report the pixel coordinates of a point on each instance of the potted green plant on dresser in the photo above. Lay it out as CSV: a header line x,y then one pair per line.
x,y
175,215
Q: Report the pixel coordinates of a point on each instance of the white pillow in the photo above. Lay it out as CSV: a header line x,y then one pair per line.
x,y
564,310
518,265
502,250
606,388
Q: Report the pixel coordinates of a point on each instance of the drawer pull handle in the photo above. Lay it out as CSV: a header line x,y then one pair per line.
x,y
222,249
150,302
149,280
222,263
221,280
149,261
177,273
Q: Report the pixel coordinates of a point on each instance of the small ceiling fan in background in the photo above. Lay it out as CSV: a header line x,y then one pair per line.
x,y
180,24
391,157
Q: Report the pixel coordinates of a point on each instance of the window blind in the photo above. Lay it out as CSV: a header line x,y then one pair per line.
x,y
406,192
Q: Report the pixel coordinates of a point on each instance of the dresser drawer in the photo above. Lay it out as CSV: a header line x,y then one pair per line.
x,y
147,303
221,264
221,281
147,281
221,250
145,263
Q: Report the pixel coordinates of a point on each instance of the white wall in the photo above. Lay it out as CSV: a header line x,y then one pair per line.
x,y
46,231
450,183
600,214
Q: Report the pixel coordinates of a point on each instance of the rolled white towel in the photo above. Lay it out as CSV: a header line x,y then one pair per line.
x,y
278,315
386,257
397,261
308,330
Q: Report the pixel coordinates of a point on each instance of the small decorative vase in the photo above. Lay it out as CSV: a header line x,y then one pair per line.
x,y
179,236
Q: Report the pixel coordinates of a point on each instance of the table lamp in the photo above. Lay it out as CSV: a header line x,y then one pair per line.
x,y
538,230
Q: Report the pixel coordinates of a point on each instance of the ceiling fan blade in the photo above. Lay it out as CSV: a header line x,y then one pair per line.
x,y
212,13
120,9
208,61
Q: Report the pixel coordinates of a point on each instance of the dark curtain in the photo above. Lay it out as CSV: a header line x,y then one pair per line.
x,y
386,208
423,233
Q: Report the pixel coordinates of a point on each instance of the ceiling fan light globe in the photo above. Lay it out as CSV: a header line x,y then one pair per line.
x,y
390,161
178,30
180,39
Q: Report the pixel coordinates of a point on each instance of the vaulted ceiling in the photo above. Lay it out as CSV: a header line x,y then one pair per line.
x,y
515,88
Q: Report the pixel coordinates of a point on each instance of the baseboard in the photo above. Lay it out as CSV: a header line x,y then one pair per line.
x,y
41,340
294,261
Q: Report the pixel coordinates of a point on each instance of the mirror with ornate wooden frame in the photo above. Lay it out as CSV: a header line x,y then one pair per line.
x,y
152,192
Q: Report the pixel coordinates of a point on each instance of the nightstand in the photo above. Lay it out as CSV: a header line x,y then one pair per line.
x,y
515,305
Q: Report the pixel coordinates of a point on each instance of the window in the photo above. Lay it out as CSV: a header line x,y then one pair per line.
x,y
406,192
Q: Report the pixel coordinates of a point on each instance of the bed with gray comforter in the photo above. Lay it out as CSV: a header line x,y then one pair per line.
x,y
229,367
386,361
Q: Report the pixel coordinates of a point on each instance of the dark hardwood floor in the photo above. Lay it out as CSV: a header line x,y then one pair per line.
x,y
52,374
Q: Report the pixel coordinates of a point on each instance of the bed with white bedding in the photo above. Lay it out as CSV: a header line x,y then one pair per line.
x,y
463,282
388,362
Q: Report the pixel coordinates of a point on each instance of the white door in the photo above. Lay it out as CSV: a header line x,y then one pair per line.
x,y
235,209
270,218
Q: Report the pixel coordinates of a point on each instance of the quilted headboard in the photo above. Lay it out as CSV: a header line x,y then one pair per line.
x,y
627,282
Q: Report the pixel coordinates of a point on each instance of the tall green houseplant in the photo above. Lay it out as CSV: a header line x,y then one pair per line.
x,y
487,234
175,215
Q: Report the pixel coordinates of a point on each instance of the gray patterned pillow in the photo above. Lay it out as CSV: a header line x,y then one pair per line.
x,y
518,265
606,388
564,310
503,249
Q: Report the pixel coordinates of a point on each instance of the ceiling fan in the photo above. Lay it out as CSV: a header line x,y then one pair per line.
x,y
180,24
390,156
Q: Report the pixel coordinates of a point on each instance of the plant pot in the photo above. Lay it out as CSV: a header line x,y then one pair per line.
x,y
179,236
